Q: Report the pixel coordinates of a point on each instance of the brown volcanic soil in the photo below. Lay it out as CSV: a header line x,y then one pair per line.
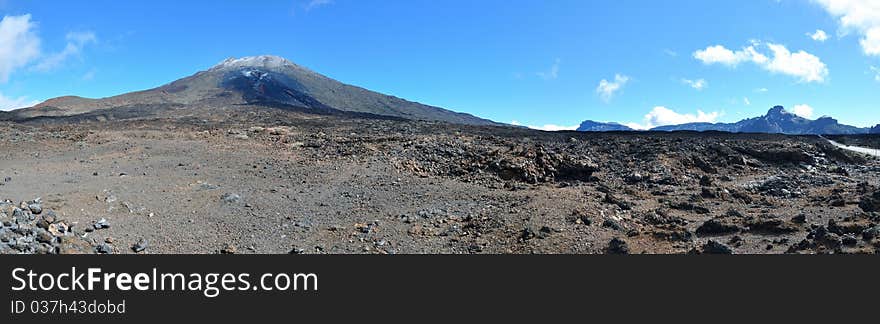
x,y
249,180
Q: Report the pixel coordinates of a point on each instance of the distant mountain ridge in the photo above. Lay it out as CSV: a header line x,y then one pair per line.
x,y
258,80
594,126
776,121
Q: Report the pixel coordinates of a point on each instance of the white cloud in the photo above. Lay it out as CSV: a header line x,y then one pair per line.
x,y
762,90
607,89
7,104
551,74
806,66
313,4
547,127
661,116
553,128
747,101
698,84
803,110
75,43
859,16
819,35
718,54
876,71
636,126
871,42
19,44
802,65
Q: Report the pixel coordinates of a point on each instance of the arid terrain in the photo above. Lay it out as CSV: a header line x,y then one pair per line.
x,y
249,179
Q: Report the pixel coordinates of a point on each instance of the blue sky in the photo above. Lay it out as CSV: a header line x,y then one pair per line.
x,y
533,62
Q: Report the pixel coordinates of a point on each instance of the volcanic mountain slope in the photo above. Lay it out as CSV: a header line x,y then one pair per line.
x,y
258,80
777,120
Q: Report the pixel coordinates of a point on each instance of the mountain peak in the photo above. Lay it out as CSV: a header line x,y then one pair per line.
x,y
257,81
594,126
261,61
777,111
777,120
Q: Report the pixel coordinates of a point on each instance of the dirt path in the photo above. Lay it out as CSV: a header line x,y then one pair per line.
x,y
858,149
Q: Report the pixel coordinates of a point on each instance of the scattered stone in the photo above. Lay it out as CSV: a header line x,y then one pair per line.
x,y
634,178
849,240
527,234
715,247
705,181
579,218
689,206
45,237
35,208
49,217
736,240
103,249
614,200
407,219
847,227
871,233
617,246
128,206
23,232
708,193
819,240
718,226
662,217
612,224
365,228
229,249
778,186
674,233
101,224
140,246
230,198
336,228
703,165
770,225
59,229
871,203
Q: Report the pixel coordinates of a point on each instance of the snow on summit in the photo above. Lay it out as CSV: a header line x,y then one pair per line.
x,y
264,61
